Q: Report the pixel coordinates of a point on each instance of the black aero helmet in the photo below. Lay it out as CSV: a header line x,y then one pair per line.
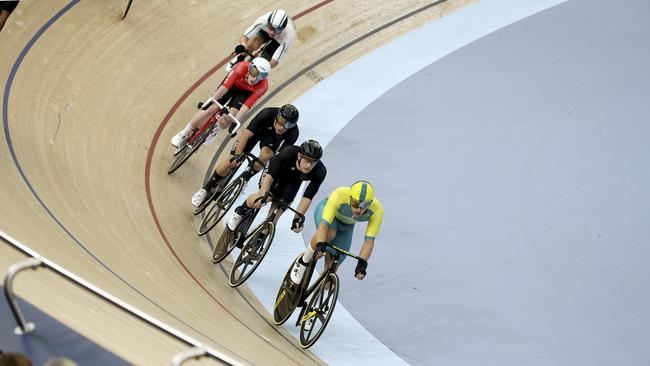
x,y
290,115
311,149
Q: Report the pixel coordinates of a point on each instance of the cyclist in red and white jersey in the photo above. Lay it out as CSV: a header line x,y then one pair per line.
x,y
243,87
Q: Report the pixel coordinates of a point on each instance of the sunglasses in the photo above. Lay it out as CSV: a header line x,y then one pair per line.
x,y
356,204
287,125
311,162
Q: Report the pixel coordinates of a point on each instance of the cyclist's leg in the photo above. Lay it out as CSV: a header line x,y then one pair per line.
x,y
343,238
238,98
321,224
251,171
255,42
199,118
221,171
269,50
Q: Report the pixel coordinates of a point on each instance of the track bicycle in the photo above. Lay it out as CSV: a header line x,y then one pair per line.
x,y
216,213
223,183
199,136
322,295
257,243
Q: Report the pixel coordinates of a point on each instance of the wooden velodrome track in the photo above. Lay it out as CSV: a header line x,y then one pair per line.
x,y
91,108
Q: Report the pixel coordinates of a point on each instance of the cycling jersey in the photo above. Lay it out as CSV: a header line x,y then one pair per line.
x,y
338,207
237,79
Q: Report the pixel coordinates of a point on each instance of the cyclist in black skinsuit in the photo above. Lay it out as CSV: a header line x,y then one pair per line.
x,y
283,176
273,128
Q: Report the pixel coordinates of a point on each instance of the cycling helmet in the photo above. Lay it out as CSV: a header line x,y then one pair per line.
x,y
290,115
278,19
361,194
262,67
311,149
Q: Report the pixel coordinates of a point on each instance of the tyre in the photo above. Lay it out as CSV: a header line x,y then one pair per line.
x,y
287,299
220,206
319,311
252,254
223,246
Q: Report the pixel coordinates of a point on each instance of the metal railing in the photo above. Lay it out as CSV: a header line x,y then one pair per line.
x,y
24,327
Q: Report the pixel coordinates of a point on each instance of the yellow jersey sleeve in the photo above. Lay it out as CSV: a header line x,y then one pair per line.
x,y
376,216
334,201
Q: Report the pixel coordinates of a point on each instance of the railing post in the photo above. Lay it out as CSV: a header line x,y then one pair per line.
x,y
183,356
23,326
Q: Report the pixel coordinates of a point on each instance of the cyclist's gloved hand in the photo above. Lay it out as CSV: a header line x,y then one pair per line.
x,y
360,271
297,224
240,48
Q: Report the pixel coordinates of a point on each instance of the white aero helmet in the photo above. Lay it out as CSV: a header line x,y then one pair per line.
x,y
259,68
278,19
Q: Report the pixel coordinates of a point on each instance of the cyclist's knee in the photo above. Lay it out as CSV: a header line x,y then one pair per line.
x,y
266,153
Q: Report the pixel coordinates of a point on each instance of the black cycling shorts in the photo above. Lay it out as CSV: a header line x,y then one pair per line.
x,y
236,97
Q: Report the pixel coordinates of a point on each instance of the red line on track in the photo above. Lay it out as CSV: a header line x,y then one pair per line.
x,y
147,177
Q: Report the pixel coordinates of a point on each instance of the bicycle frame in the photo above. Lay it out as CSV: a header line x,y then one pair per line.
x,y
276,205
211,122
306,290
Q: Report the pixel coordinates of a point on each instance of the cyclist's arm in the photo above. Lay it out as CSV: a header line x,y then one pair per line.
x,y
243,40
319,174
366,249
321,233
241,113
243,141
303,206
372,230
220,92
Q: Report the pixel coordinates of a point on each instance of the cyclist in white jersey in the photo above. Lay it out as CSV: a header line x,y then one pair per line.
x,y
272,34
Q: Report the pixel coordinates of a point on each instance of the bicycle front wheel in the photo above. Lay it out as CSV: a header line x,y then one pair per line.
x,y
180,158
220,206
182,154
252,254
319,311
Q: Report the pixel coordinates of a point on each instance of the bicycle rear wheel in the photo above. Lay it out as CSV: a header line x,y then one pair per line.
x,y
252,254
287,299
223,246
220,206
319,311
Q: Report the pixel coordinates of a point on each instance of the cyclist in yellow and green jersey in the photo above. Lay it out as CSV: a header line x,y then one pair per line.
x,y
335,217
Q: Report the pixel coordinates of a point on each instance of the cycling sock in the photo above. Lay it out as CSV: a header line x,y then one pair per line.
x,y
308,255
213,181
188,129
